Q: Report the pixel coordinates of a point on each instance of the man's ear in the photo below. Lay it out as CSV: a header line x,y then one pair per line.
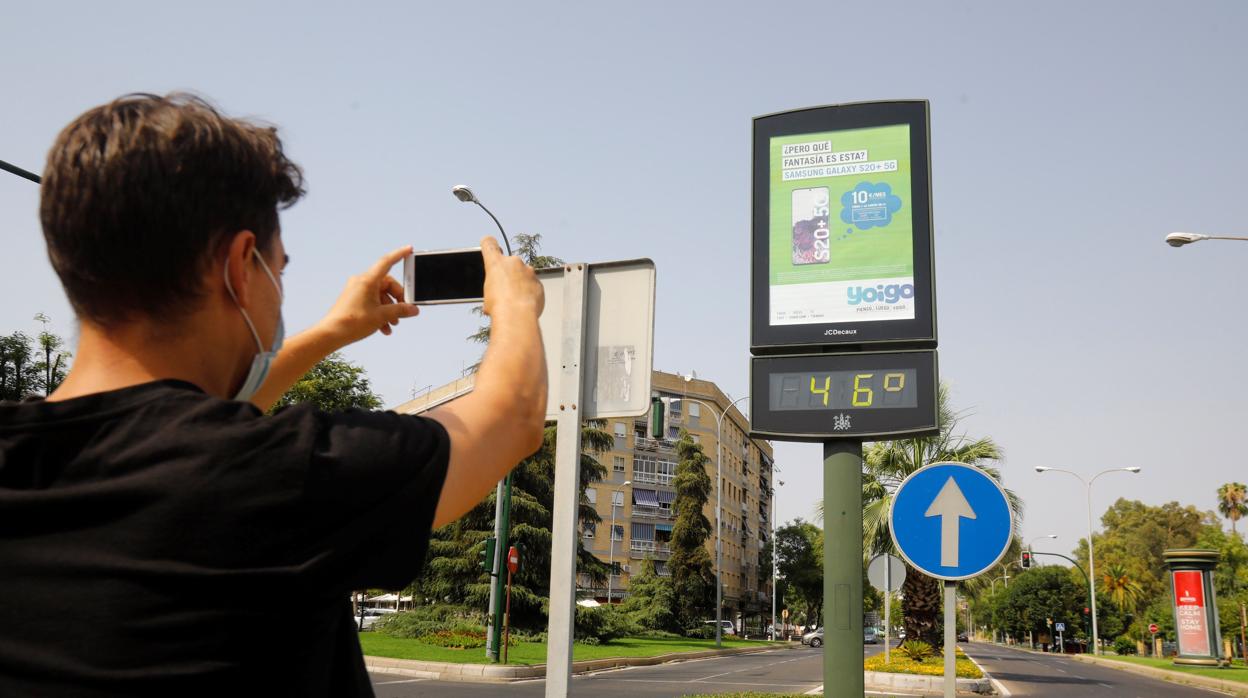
x,y
239,268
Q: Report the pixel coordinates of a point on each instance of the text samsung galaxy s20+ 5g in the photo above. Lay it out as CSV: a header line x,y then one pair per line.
x,y
810,226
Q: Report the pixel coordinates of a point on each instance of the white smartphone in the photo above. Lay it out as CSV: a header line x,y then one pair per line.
x,y
444,276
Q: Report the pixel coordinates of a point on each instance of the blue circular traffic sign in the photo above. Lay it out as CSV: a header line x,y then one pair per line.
x,y
951,521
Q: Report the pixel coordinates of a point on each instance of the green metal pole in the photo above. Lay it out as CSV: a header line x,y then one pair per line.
x,y
500,551
842,569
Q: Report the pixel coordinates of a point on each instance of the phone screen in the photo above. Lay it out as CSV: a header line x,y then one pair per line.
x,y
444,277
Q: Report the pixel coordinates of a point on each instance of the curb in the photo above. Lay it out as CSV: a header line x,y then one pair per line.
x,y
1233,688
492,673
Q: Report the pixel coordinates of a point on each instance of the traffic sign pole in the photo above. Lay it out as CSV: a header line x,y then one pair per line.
x,y
951,637
842,569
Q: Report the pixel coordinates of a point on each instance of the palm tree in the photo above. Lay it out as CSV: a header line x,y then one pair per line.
x,y
1231,502
886,464
1125,591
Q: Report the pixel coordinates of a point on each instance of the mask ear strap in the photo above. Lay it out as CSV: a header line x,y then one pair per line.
x,y
281,295
255,335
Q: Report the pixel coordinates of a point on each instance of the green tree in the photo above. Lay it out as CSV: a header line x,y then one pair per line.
x,y
886,465
651,601
799,558
1035,597
334,384
1118,584
20,376
1231,502
692,574
55,363
452,573
1133,536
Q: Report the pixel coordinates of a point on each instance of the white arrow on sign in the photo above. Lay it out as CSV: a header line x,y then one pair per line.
x,y
950,505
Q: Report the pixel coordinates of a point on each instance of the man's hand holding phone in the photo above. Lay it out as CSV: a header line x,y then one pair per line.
x,y
510,284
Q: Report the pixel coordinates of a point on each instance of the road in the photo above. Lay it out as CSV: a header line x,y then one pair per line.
x,y
782,670
1035,674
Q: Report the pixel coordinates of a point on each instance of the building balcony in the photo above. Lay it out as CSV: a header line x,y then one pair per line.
x,y
639,549
641,443
653,478
645,512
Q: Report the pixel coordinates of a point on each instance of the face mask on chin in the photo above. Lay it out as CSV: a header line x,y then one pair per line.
x,y
263,359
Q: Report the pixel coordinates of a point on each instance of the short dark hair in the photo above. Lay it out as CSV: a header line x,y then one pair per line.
x,y
141,194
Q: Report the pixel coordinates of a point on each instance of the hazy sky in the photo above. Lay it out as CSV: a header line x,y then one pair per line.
x,y
1068,139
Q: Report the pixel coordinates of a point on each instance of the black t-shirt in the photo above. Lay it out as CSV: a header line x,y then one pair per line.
x,y
156,540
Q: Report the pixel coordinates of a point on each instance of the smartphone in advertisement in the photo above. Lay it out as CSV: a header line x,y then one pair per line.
x,y
810,226
444,276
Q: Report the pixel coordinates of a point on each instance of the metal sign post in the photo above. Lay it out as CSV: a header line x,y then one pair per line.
x,y
598,329
570,351
886,573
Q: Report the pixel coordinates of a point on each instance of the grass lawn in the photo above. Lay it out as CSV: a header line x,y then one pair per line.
x,y
524,653
1235,673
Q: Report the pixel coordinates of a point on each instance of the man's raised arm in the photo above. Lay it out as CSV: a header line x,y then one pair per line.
x,y
501,421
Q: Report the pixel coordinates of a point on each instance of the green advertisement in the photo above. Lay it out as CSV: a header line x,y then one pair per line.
x,y
840,233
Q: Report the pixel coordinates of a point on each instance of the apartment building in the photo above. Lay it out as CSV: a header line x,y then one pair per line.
x,y
642,510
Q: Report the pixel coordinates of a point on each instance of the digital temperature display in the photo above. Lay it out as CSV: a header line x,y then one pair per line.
x,y
853,395
843,390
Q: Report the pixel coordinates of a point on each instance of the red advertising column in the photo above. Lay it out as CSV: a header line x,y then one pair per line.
x,y
1195,605
1190,613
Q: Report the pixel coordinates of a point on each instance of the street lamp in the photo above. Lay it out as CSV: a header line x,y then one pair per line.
x,y
719,497
1181,239
775,483
611,536
1096,647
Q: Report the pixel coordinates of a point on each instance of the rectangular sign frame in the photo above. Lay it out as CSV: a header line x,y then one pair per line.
x,y
859,424
919,332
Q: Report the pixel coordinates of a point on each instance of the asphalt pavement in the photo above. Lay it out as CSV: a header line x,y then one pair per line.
x,y
781,670
1027,673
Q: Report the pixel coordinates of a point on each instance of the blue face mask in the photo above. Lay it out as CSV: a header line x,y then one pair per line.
x,y
263,359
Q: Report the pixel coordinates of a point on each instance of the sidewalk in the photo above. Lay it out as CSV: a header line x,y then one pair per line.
x,y
495,673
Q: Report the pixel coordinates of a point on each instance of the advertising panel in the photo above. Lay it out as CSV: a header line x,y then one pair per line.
x,y
842,228
1189,612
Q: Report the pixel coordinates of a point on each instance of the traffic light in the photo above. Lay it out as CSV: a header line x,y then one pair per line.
x,y
658,415
1026,562
487,555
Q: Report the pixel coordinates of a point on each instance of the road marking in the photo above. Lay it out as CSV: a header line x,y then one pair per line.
x,y
725,683
1104,684
387,683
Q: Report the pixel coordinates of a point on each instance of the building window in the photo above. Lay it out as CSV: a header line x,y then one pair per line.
x,y
617,464
589,528
621,435
592,495
617,532
617,498
673,433
673,407
695,410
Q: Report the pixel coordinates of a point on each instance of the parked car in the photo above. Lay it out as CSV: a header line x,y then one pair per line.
x,y
962,637
727,624
368,617
813,638
870,636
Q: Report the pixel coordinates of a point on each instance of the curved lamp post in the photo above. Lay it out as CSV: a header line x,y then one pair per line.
x,y
719,495
1096,646
611,536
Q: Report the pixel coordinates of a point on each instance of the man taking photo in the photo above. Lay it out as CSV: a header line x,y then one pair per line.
x,y
148,505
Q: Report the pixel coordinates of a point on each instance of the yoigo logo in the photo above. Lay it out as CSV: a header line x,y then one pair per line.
x,y
892,293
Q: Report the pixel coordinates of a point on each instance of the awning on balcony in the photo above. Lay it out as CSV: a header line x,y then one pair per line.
x,y
666,497
643,531
645,497
663,527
